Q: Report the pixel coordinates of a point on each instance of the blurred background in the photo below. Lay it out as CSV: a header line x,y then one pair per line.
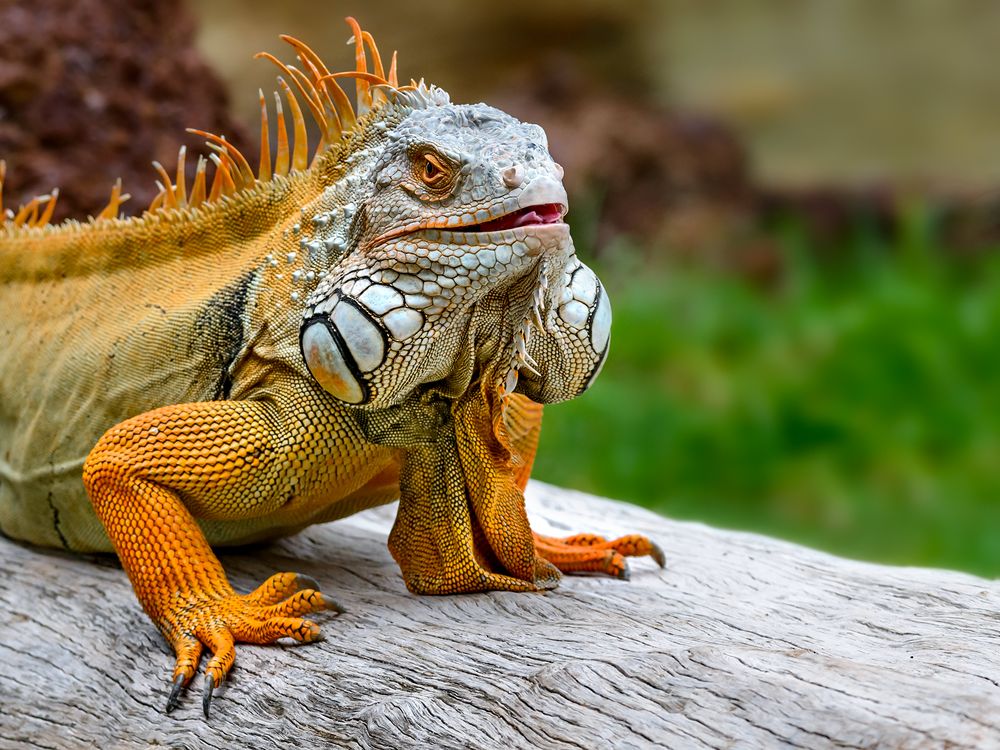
x,y
793,204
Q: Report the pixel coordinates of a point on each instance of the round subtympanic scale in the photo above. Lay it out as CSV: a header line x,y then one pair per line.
x,y
326,363
362,336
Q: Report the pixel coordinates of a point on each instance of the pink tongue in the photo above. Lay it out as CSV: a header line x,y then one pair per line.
x,y
547,214
529,217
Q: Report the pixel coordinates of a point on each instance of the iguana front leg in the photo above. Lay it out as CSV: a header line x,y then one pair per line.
x,y
492,471
437,539
461,524
148,478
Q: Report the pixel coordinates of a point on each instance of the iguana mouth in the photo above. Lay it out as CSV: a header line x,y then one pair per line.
x,y
541,214
545,213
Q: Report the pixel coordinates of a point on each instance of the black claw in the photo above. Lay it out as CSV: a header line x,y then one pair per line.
x,y
306,582
625,573
333,606
657,554
206,696
175,693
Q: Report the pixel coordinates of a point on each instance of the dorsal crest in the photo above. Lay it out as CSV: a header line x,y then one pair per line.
x,y
309,83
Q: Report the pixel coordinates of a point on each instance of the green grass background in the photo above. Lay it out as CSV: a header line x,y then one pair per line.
x,y
852,408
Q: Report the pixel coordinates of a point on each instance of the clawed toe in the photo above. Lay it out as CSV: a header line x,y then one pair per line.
x,y
206,694
306,582
333,606
657,554
624,573
271,612
175,693
589,553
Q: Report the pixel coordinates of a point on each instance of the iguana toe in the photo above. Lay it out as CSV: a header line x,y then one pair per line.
x,y
340,609
280,586
308,583
218,623
589,553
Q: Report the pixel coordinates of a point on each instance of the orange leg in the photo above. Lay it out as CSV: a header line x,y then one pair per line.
x,y
148,478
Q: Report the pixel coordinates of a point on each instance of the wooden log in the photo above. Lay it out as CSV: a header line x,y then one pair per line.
x,y
743,641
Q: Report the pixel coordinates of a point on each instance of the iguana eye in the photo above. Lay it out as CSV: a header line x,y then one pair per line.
x,y
434,172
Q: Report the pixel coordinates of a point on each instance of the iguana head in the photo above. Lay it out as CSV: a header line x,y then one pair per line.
x,y
457,265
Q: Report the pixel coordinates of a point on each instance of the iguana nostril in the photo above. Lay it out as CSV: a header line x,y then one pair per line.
x,y
559,170
513,176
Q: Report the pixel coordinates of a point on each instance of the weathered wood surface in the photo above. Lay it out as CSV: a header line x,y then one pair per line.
x,y
742,641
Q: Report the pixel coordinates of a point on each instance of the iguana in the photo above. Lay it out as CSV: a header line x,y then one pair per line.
x,y
382,320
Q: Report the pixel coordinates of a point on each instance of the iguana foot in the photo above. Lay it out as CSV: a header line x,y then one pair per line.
x,y
217,622
589,553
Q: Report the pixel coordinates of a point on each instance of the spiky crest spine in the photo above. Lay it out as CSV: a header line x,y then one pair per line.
x,y
327,102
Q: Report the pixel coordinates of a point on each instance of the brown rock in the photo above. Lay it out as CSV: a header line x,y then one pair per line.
x,y
93,90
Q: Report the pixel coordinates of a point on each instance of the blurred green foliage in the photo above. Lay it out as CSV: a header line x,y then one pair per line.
x,y
854,408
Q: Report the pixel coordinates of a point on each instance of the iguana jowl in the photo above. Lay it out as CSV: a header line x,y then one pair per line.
x,y
289,348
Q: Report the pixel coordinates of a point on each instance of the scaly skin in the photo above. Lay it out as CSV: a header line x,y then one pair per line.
x,y
322,340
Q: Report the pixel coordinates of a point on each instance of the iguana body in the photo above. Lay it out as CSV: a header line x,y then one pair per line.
x,y
306,344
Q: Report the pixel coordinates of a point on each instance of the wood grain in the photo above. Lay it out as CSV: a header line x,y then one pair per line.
x,y
743,641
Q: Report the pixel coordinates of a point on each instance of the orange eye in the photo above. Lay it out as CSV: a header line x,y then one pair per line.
x,y
434,172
